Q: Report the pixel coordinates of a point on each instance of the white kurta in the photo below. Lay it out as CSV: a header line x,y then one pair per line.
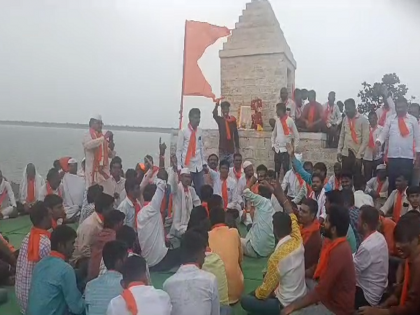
x,y
90,145
73,191
8,198
112,187
231,189
23,188
183,201
44,192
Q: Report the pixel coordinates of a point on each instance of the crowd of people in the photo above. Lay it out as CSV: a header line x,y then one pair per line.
x,y
335,245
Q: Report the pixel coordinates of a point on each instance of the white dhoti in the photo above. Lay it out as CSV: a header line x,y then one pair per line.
x,y
73,193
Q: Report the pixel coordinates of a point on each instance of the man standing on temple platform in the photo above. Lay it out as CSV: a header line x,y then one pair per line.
x,y
98,149
228,132
190,150
332,118
354,138
290,104
403,134
373,155
311,119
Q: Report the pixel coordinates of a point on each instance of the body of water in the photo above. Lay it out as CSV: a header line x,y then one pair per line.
x,y
21,145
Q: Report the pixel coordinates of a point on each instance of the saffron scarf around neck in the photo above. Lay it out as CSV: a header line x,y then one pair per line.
x,y
101,153
371,139
34,243
382,119
311,112
50,191
307,232
192,145
352,126
328,112
402,126
228,120
129,299
225,194
398,204
337,183
406,283
283,121
325,256
238,175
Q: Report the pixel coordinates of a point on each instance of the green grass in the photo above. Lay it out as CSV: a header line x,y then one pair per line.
x,y
16,229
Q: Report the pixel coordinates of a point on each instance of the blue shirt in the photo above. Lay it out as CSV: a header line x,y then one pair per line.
x,y
100,291
54,290
261,233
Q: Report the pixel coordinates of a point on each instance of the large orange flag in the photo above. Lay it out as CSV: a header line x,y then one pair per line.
x,y
198,36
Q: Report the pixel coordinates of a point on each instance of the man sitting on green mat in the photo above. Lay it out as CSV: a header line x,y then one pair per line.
x,y
284,281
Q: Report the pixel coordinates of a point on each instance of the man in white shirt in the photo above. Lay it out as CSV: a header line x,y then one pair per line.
x,y
397,203
115,184
370,260
150,229
225,186
74,188
190,151
318,194
360,197
138,296
30,186
288,102
52,185
184,199
373,154
236,171
192,290
377,186
332,118
284,132
130,206
7,199
387,110
293,184
403,133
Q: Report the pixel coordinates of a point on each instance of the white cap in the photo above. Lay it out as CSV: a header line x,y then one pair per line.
x,y
97,117
299,157
185,171
72,161
381,167
246,164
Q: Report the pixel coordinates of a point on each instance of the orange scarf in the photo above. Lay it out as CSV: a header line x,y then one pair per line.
x,y
371,140
33,243
64,163
3,196
206,206
337,183
192,146
238,175
129,299
137,209
311,113
328,112
50,191
397,207
382,119
352,123
308,231
406,283
54,224
300,179
101,154
30,191
57,255
227,121
325,256
403,127
283,121
308,190
10,246
225,194
379,189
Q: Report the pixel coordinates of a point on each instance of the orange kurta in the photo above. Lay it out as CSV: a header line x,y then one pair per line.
x,y
226,243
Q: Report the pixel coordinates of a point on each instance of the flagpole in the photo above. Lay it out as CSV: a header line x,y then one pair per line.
x,y
181,107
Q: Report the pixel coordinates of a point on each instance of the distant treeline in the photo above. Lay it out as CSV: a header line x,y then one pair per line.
x,y
83,126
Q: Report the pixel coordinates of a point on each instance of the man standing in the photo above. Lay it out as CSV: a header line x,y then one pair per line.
x,y
98,148
332,118
354,138
190,150
285,132
403,134
228,132
290,104
373,154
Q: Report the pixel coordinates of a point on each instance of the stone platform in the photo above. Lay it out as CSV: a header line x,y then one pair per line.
x,y
256,147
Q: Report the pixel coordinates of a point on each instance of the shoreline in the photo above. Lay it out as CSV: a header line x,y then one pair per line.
x,y
84,126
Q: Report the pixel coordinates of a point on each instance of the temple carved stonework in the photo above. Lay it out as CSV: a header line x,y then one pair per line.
x,y
256,61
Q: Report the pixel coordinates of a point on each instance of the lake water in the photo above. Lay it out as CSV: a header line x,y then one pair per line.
x,y
20,145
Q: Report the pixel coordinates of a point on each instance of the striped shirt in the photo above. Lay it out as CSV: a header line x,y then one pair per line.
x,y
100,291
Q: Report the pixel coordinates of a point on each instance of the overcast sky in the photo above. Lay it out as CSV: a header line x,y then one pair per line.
x,y
65,60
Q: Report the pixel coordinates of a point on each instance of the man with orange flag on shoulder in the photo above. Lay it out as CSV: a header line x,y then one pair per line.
x,y
354,139
190,150
98,149
138,296
30,186
312,115
228,132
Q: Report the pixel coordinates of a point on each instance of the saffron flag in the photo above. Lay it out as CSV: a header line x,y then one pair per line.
x,y
198,36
